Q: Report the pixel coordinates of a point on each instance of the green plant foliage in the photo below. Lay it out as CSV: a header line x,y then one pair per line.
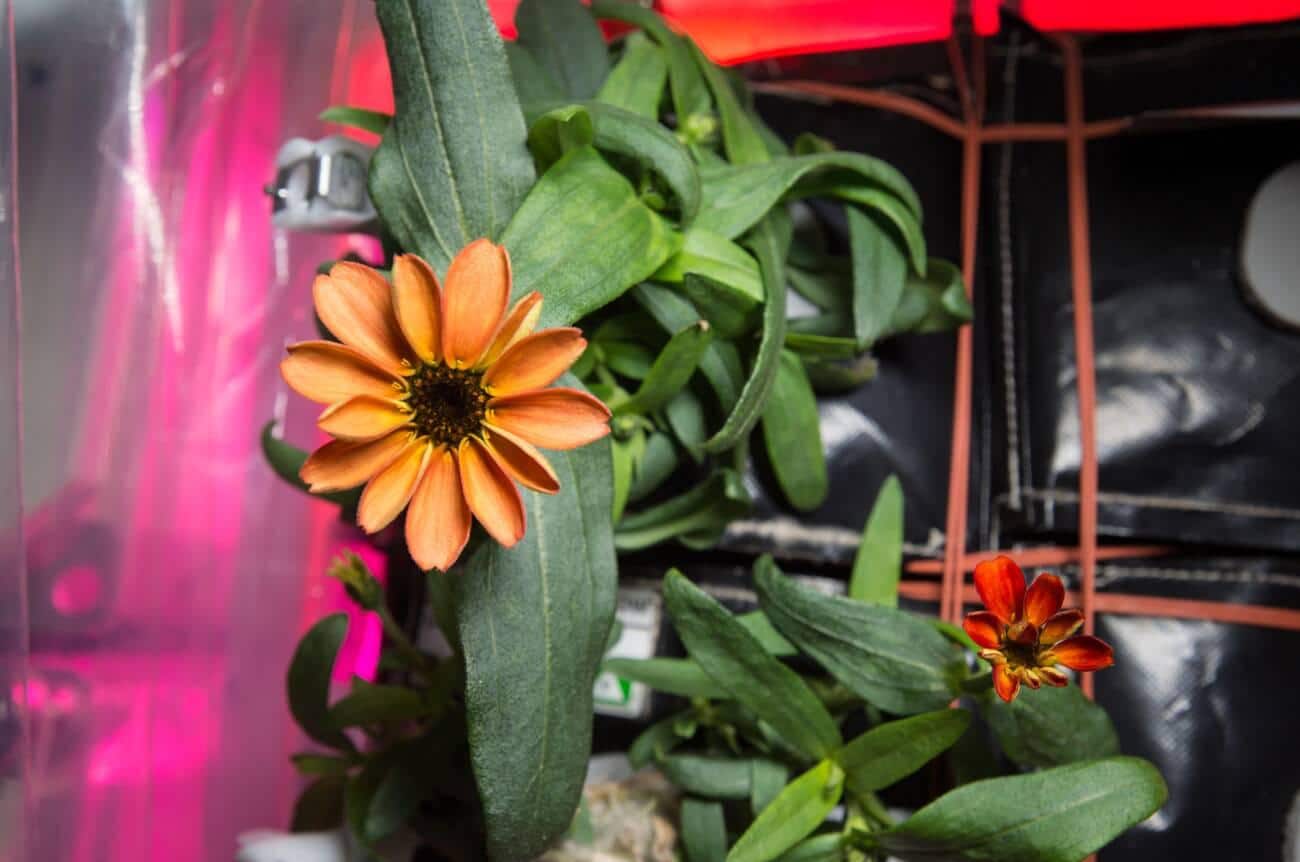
x,y
309,681
793,815
888,657
532,622
889,753
704,830
452,166
1053,727
583,237
738,663
636,83
792,434
564,38
1057,815
878,564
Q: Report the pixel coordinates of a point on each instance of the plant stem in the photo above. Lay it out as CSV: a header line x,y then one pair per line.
x,y
407,650
977,684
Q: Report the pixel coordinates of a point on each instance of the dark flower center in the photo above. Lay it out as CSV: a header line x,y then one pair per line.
x,y
1020,655
449,403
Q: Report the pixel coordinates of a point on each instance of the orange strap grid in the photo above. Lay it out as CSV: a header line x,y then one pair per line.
x,y
951,592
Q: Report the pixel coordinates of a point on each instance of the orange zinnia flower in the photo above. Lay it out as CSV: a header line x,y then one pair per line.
x,y
436,398
1025,634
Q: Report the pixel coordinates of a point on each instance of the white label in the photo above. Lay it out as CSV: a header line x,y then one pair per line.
x,y
639,612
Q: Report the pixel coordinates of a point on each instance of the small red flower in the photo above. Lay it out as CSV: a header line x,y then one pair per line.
x,y
1025,634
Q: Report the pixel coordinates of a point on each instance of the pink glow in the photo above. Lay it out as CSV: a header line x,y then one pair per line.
x,y
77,590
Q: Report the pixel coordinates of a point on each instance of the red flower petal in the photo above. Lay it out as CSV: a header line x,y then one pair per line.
x,y
984,628
1044,598
1084,652
1005,683
1001,586
1060,626
1024,633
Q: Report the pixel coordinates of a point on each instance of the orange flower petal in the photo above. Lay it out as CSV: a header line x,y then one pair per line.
x,y
363,418
417,302
492,496
387,494
518,324
1083,652
438,520
1001,586
556,418
535,361
1005,682
984,628
341,464
1052,676
1060,626
473,301
327,372
1043,598
522,461
355,304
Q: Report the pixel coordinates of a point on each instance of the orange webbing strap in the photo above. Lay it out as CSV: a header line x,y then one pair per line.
x,y
1081,288
972,103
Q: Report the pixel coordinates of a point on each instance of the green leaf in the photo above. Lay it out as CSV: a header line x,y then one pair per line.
x,y
671,371
1051,727
889,753
737,196
833,378
375,122
370,704
320,805
625,453
583,237
792,434
685,415
879,275
706,253
715,502
758,625
1057,815
321,764
536,88
829,286
652,146
688,90
720,364
567,42
795,814
452,166
704,830
935,303
906,225
405,781
768,248
767,779
636,83
740,137
287,460
885,656
738,663
820,347
309,681
559,131
678,676
878,563
820,848
532,621
656,741
731,311
657,463
710,777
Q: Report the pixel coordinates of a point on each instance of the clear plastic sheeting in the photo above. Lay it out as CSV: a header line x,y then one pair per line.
x,y
146,627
